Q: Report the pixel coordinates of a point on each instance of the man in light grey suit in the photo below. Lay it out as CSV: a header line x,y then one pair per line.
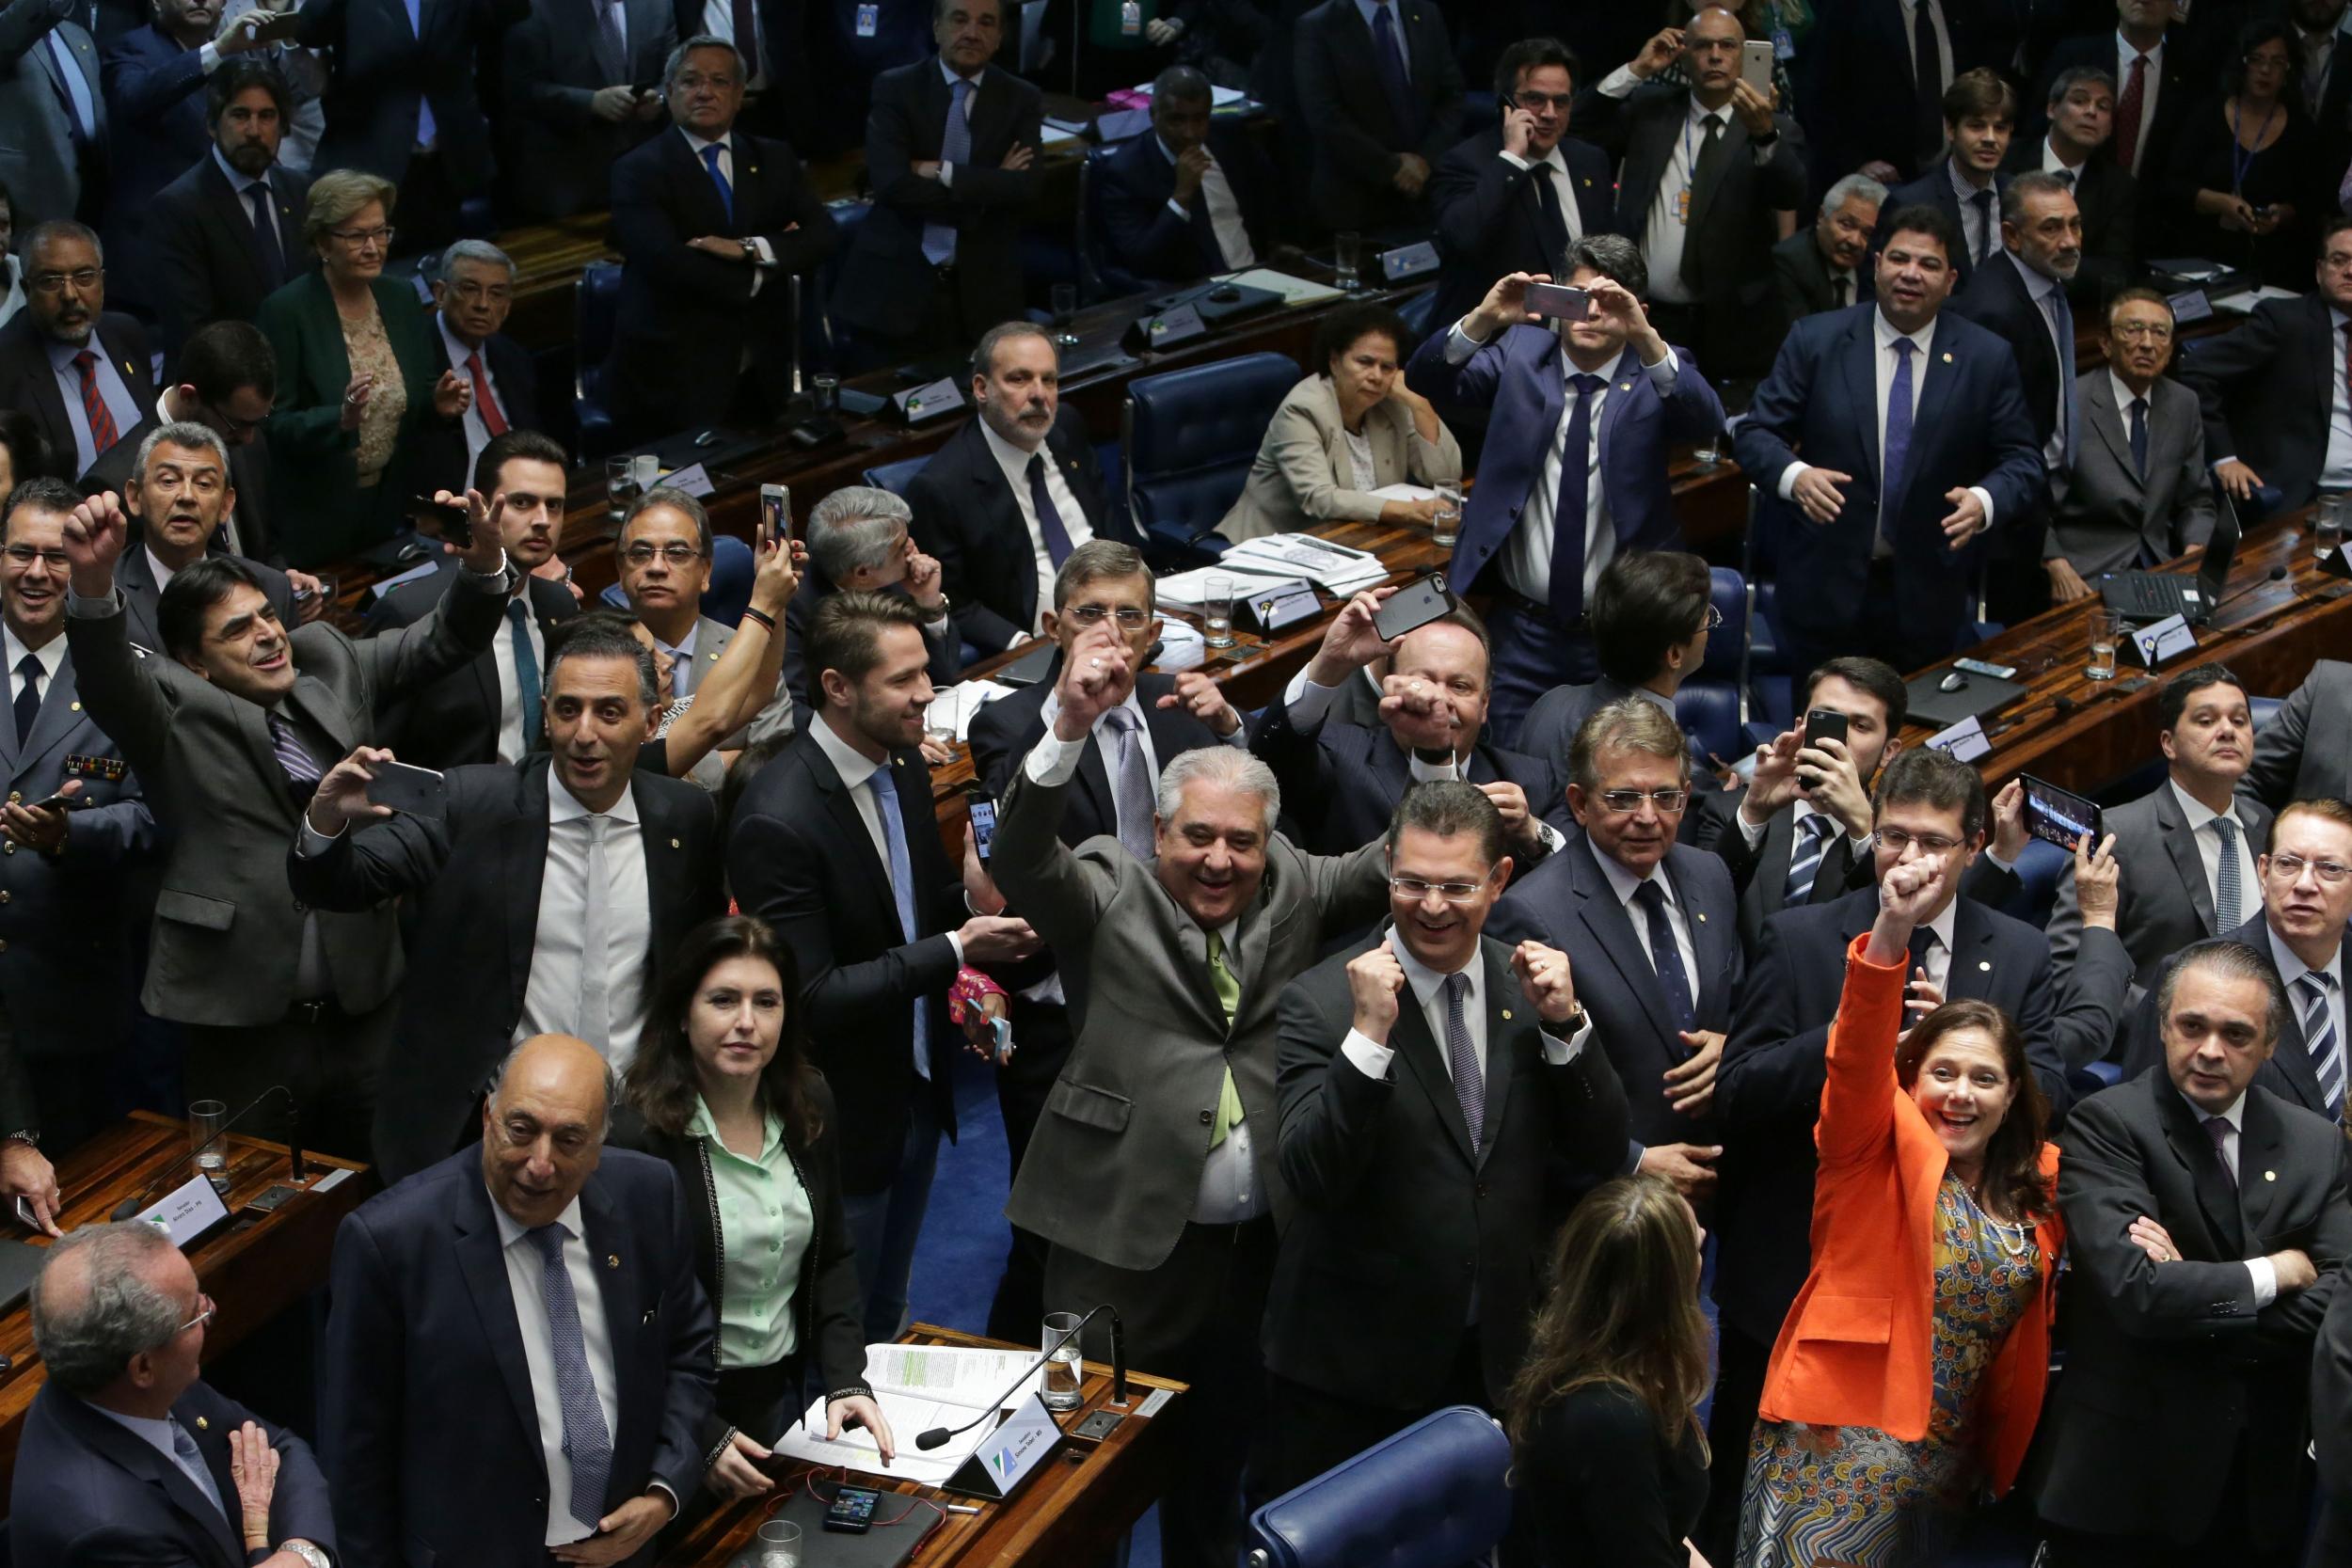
x,y
2138,493
231,726
2302,752
1153,1175
1650,616
53,108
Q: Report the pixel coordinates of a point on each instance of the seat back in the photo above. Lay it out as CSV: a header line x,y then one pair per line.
x,y
596,311
896,477
1433,1496
1711,705
1190,437
728,590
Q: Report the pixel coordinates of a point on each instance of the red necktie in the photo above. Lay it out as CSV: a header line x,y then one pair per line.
x,y
492,420
101,424
2127,112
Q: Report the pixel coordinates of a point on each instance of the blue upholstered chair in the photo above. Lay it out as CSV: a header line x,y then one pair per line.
x,y
596,305
1433,1496
1190,437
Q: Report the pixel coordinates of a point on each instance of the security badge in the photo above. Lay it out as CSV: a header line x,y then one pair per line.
x,y
1682,207
108,769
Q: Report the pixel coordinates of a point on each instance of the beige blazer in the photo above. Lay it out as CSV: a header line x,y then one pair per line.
x,y
1302,475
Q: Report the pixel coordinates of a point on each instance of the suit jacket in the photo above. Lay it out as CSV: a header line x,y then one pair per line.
x,y
2108,198
454,721
2285,768
1801,277
945,644
442,461
1004,731
40,162
1760,875
2265,392
1997,298
2173,1377
1567,901
2165,904
87,1489
1356,137
800,858
561,152
1933,188
227,929
1302,474
886,281
1549,733
1855,94
2105,514
1521,375
141,594
424,1324
1402,1232
2181,82
966,515
386,69
249,471
202,261
1972,428
1490,220
154,130
28,383
1114,1168
2289,1074
686,319
1142,235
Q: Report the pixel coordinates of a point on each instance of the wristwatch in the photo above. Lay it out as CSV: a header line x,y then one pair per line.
x,y
937,613
1566,1029
311,1555
29,1136
751,251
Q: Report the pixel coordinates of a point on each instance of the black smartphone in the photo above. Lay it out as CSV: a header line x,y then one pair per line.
x,y
1414,604
63,803
852,1510
444,520
2060,816
1558,302
983,811
1820,722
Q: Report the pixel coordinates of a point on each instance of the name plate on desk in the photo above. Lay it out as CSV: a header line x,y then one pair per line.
x,y
1009,1454
2152,644
693,479
928,402
187,1211
2189,305
1166,330
1964,742
1408,261
1278,606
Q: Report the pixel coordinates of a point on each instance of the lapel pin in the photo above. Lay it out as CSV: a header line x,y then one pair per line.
x,y
1506,1015
203,1425
1624,386
611,1259
1985,964
2271,1175
1948,357
1702,917
674,844
77,708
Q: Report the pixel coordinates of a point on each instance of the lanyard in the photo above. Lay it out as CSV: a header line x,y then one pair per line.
x,y
2241,156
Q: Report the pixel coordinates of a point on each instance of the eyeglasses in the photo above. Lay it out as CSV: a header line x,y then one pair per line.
x,y
25,555
676,555
236,427
1714,618
1416,888
2289,868
1625,802
54,282
205,1309
1533,100
1930,844
2154,331
361,238
1128,616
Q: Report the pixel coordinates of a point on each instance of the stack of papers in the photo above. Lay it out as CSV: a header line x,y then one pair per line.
x,y
1335,568
1294,290
919,1388
959,702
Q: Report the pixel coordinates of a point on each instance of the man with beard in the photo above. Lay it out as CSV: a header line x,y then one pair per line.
x,y
80,371
180,488
1820,269
228,231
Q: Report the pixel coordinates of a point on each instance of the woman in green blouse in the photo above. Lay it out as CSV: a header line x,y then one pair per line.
x,y
723,1084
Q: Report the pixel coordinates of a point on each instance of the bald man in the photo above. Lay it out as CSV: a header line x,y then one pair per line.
x,y
477,1304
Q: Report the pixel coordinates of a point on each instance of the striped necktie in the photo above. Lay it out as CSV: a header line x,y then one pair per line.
x,y
1805,862
285,743
2319,1034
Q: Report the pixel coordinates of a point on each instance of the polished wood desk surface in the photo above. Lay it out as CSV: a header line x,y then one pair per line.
x,y
2280,611
1072,1509
253,1266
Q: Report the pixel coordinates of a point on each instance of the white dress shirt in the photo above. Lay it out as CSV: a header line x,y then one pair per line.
x,y
2201,819
12,296
1943,40
1554,168
2292,968
50,654
1937,961
765,253
2335,469
1979,227
1753,832
2039,289
2265,1277
1668,222
2150,83
1015,463
477,432
1233,235
112,391
526,1276
2125,397
1624,884
513,744
857,771
552,999
718,21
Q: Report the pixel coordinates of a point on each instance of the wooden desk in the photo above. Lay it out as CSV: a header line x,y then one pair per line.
x,y
1072,1509
254,1266
2269,631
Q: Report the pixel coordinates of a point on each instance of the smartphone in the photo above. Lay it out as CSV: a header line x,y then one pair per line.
x,y
983,811
1414,604
418,791
2060,816
1979,667
1820,723
275,27
852,1510
62,802
776,513
1559,302
445,520
1755,66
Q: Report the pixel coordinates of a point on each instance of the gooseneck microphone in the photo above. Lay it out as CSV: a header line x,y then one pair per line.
x,y
937,1436
130,1207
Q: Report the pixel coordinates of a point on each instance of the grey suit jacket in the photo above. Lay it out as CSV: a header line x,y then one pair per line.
x,y
1302,475
228,930
2103,510
2165,902
135,578
1115,1164
36,157
775,718
2302,752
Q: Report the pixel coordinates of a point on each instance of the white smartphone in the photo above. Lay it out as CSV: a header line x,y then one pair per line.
x,y
775,512
1755,66
418,791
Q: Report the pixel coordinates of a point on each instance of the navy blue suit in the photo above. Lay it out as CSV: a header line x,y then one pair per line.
x,y
428,1420
1490,220
89,1490
154,130
1971,429
1144,239
1933,189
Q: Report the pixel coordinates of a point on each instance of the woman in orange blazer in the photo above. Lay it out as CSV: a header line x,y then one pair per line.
x,y
1909,1373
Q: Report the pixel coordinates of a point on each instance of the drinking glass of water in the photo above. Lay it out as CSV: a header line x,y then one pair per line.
x,y
206,1120
1347,248
1062,1372
778,1543
2107,630
1446,526
1216,612
2327,523
1065,298
620,486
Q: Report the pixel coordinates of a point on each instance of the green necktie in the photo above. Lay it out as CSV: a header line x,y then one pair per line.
x,y
1229,998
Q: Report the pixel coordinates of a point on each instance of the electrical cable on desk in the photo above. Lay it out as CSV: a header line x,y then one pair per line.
x,y
899,1518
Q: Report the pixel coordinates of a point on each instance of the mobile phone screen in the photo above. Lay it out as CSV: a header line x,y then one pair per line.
x,y
2060,816
983,825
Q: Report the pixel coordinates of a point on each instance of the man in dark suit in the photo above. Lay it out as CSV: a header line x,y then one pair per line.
x,y
473,288
1651,617
1514,198
2207,1219
178,491
1012,493
490,711
127,1455
860,541
1650,925
1882,520
1872,91
543,1286
1703,168
1192,198
1822,267
836,846
712,224
1576,466
2331,1433
2268,388
1964,184
782,69
1420,1122
1380,95
226,233
81,371
2159,76
56,160
580,77
937,261
2295,754
2074,148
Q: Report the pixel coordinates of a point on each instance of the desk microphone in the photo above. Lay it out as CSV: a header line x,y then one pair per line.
x,y
129,1207
937,1436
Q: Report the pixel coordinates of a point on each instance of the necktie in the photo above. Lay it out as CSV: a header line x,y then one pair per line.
x,y
1388,55
586,1443
1461,1059
2139,437
2127,112
955,146
1204,233
102,421
2064,177
1841,290
2319,1036
2062,316
1552,219
1666,958
2217,1130
257,200
1927,70
27,697
746,20
526,671
1709,160
1229,998
2347,355
1923,943
425,128
1898,453
302,769
1805,860
81,114
612,53
191,1460
1986,227
596,1006
894,829
1569,519
2229,897
1049,524
485,405
1131,783
718,178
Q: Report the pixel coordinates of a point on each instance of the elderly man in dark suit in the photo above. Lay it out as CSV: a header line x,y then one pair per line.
x,y
543,1285
1651,617
1192,198
1822,266
1966,183
55,162
473,288
1380,97
2073,148
579,77
860,541
228,231
81,371
2297,756
127,1455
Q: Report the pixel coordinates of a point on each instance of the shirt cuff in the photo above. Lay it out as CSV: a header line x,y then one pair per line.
x,y
765,252
309,843
2265,1281
1514,159
1559,1053
2219,461
663,1487
208,58
955,939
1307,703
948,174
1179,209
1460,347
1788,477
1633,1152
1984,497
1371,1058
90,609
1619,83
2010,866
1664,375
1053,760
1753,833
1554,839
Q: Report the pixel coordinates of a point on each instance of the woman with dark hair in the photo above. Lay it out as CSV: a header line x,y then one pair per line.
x,y
2243,169
1349,429
24,454
723,1086
1606,1442
1897,1395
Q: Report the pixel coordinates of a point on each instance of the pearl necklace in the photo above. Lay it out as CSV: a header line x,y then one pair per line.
x,y
2002,1229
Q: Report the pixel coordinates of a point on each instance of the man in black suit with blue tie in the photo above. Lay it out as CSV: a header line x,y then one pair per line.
x,y
1192,198
228,232
1380,93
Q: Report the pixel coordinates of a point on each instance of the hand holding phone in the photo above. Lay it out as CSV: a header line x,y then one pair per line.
x,y
1558,302
448,521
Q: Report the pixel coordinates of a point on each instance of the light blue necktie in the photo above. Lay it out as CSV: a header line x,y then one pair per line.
x,y
586,1443
426,133
1898,454
718,178
955,146
76,88
526,671
2062,323
902,894
191,1460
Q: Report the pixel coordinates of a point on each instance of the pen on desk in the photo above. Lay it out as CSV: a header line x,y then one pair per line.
x,y
958,1507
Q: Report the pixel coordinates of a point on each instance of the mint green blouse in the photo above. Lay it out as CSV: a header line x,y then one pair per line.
x,y
765,1223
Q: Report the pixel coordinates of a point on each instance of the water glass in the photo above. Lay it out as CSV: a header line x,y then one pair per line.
x,y
778,1543
2107,631
2327,523
1710,449
1446,526
1216,612
1347,249
1065,298
205,1120
620,486
1062,1372
825,391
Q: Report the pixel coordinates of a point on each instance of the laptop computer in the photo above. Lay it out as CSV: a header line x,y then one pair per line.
x,y
2154,595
